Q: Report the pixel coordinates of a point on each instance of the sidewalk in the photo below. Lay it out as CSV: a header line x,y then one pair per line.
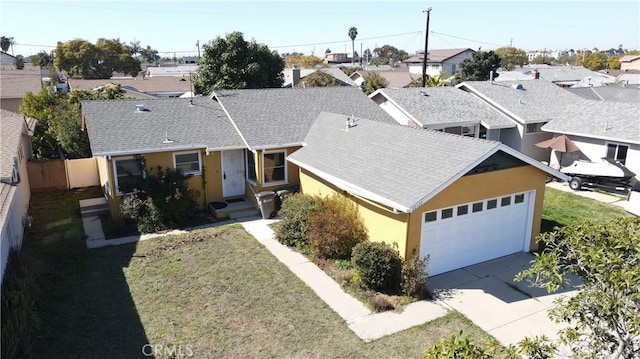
x,y
613,199
362,321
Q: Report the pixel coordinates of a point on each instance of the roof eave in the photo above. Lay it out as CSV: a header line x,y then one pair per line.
x,y
143,151
589,135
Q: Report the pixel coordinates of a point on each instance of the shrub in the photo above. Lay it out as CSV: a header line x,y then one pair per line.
x,y
414,277
160,202
379,266
456,347
294,220
335,227
380,303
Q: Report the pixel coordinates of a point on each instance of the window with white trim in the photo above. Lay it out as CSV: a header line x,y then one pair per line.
x,y
189,163
274,167
127,173
617,152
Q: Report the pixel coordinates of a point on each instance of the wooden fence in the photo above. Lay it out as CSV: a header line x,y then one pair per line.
x,y
62,174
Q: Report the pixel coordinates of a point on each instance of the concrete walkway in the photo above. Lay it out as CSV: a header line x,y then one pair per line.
x,y
614,199
362,321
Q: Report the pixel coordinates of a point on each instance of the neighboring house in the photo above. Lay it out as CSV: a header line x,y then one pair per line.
x,y
630,62
15,151
447,60
241,137
396,78
172,71
293,76
456,200
6,59
600,129
628,79
336,58
14,84
142,88
445,109
608,93
529,105
513,75
568,76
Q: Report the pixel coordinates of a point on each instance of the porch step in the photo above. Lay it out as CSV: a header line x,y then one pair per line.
x,y
94,207
235,208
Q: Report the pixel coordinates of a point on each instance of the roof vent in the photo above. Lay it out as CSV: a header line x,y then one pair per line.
x,y
424,93
518,86
140,108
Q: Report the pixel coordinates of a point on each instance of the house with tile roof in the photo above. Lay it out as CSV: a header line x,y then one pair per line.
x,y
15,151
445,109
439,60
433,194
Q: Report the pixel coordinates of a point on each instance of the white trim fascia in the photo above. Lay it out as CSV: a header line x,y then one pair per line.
x,y
588,135
214,95
276,147
411,117
490,102
155,150
220,149
351,188
499,147
489,127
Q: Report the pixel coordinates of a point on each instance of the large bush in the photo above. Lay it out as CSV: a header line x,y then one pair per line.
x,y
335,227
294,215
414,277
379,266
160,201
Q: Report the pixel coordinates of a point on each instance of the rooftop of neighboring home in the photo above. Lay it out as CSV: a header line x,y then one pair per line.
x,y
444,105
608,93
563,73
629,79
629,58
336,72
13,125
411,153
15,83
513,75
118,127
396,77
604,120
437,55
173,71
524,101
137,84
282,117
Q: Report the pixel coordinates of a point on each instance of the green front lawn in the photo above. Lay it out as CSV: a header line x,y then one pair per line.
x,y
216,293
561,208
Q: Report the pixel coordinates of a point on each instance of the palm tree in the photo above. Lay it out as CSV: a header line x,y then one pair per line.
x,y
439,80
6,42
353,32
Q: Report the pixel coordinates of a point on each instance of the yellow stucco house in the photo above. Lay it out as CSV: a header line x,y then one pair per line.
x,y
456,199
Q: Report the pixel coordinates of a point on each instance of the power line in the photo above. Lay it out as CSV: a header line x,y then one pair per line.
x,y
464,38
346,41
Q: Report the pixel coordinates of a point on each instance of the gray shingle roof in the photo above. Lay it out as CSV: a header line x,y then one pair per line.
x,y
605,120
11,127
446,105
537,101
282,117
115,127
608,93
400,165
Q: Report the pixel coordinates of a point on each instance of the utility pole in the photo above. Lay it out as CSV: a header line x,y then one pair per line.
x,y
360,57
511,42
198,46
426,47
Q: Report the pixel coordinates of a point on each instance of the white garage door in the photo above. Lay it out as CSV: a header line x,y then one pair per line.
x,y
471,233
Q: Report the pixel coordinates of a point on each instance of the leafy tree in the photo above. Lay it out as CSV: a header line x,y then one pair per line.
x,y
367,54
614,63
19,62
566,59
372,82
150,55
327,51
134,48
388,54
596,61
353,33
542,60
479,67
60,122
302,61
602,318
317,79
6,43
99,61
42,59
510,57
232,62
439,80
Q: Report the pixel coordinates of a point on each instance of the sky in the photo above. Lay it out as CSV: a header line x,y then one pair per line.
x,y
311,27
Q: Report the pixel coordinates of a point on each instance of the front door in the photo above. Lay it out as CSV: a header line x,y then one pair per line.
x,y
232,173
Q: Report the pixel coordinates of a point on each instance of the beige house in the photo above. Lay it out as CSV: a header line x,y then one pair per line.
x,y
630,62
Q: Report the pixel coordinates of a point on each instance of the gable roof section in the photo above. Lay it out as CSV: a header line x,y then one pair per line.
x,y
614,121
15,83
629,58
608,93
116,128
281,117
435,106
365,161
11,130
437,55
536,101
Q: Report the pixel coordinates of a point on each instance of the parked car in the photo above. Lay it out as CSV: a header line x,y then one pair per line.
x,y
633,200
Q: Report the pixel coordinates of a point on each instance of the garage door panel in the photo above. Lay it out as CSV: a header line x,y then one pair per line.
x,y
474,237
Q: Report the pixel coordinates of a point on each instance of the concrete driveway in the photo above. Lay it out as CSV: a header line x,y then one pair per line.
x,y
487,294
